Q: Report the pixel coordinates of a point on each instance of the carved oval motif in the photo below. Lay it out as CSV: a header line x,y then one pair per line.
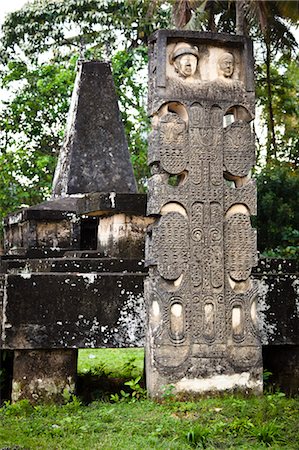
x,y
177,320
253,315
172,245
239,240
197,210
237,322
173,143
239,152
196,171
209,320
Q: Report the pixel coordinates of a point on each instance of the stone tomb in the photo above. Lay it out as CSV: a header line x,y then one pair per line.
x,y
202,331
72,273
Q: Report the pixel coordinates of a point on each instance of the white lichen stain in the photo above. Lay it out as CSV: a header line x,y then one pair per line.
x,y
73,218
218,383
131,320
26,276
89,278
295,286
112,196
267,330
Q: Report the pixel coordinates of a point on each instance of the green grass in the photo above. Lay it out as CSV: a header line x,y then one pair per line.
x,y
226,423
114,362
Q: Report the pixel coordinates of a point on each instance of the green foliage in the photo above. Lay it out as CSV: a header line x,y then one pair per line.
x,y
31,130
130,367
101,24
129,69
278,215
168,392
137,392
285,90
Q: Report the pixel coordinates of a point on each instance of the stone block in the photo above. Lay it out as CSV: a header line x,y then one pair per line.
x,y
44,376
72,310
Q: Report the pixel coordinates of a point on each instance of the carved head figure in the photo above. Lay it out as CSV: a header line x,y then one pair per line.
x,y
226,65
185,58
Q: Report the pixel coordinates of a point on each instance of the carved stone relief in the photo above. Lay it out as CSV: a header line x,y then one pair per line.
x,y
202,302
173,143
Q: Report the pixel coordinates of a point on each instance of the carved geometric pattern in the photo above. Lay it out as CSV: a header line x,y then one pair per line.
x,y
240,246
172,245
173,143
238,149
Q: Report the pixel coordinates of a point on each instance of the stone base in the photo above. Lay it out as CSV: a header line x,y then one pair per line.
x,y
190,388
43,376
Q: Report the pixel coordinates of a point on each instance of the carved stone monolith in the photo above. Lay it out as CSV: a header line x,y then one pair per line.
x,y
201,301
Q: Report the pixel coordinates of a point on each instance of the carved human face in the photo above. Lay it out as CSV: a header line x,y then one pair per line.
x,y
226,65
186,65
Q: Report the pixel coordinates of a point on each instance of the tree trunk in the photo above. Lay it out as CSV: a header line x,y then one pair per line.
x,y
212,24
271,138
181,13
239,16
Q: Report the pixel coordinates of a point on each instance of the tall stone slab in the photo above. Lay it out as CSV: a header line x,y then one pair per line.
x,y
95,156
201,301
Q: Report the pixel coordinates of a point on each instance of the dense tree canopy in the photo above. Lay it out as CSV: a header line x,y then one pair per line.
x,y
42,42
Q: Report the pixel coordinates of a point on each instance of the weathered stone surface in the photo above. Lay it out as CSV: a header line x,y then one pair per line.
x,y
94,157
74,222
51,225
278,314
71,310
79,262
44,376
278,307
202,332
122,234
99,203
